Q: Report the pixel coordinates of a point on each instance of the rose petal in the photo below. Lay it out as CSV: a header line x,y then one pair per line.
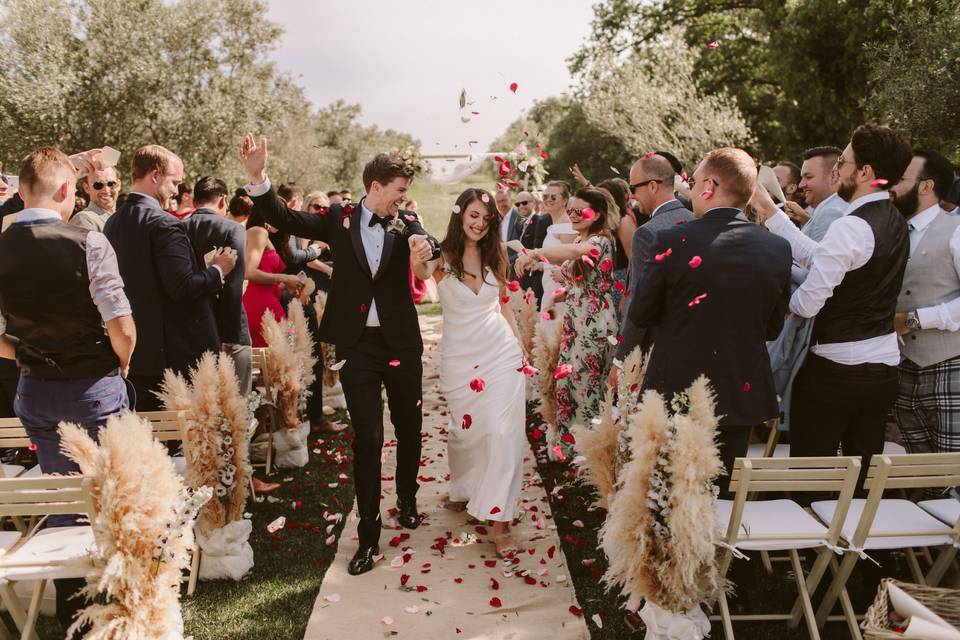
x,y
697,300
494,584
478,384
661,256
695,262
495,602
394,363
467,421
746,386
412,609
333,597
386,620
277,524
597,620
713,45
879,182
513,87
514,285
346,223
562,371
336,366
403,579
575,610
494,511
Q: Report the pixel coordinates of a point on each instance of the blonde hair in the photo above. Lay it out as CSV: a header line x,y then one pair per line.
x,y
43,171
152,157
736,170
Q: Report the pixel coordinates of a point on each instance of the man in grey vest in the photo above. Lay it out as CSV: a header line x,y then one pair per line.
x,y
927,408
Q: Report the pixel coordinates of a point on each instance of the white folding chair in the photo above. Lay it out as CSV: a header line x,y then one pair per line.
x,y
14,436
261,364
783,525
878,523
46,554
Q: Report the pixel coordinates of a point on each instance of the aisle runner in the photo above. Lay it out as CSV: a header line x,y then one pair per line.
x,y
454,561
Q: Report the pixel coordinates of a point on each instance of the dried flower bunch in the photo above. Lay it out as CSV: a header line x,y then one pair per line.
x,y
143,528
546,355
285,373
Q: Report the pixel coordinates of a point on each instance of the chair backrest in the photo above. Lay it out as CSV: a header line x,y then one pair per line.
x,y
167,425
260,363
794,475
46,495
905,471
12,434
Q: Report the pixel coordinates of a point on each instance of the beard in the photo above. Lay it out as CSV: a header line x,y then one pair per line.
x,y
846,189
909,202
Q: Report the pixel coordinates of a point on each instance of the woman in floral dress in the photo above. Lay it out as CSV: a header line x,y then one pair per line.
x,y
590,320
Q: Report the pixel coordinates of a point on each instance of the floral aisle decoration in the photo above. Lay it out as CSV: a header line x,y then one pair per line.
x,y
333,390
523,168
605,444
661,532
216,447
546,355
410,156
143,527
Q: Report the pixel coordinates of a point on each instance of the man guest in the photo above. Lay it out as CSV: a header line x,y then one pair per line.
x,y
103,187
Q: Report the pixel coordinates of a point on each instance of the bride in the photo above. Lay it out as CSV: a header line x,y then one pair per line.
x,y
480,366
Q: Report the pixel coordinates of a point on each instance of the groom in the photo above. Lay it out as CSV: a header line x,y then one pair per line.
x,y
371,318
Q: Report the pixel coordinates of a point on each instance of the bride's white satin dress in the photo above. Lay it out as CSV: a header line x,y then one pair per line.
x,y
487,438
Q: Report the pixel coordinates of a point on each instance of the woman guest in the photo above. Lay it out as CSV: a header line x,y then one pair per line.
x,y
553,229
319,271
590,318
240,207
264,273
618,188
481,368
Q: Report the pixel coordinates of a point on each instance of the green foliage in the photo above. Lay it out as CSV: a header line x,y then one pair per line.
x,y
104,72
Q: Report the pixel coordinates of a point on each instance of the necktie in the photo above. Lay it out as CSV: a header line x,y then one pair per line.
x,y
377,220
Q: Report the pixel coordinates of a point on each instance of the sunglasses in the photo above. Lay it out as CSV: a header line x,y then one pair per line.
x,y
100,185
637,185
315,207
522,203
552,196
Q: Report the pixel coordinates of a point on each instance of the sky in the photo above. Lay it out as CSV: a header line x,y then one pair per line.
x,y
406,62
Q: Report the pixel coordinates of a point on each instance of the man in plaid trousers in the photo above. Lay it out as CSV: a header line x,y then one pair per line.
x,y
927,408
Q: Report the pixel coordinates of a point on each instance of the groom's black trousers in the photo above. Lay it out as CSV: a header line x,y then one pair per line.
x,y
366,370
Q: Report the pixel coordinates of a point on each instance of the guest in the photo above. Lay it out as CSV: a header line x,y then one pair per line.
x,y
292,194
550,229
265,273
209,228
295,257
240,206
72,343
103,187
928,310
168,287
819,181
524,207
848,383
334,197
318,270
183,201
679,188
618,190
651,185
411,205
589,317
508,213
788,176
346,196
713,308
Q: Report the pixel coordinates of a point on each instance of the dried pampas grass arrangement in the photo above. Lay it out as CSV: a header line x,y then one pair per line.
x,y
143,528
216,435
328,353
661,530
546,355
303,344
284,372
524,305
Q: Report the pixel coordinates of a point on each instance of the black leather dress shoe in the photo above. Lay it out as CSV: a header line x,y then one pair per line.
x,y
362,560
408,517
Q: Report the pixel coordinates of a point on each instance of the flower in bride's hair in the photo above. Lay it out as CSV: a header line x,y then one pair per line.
x,y
485,198
455,209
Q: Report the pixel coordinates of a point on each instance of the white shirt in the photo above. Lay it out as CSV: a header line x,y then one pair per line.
x,y
505,226
372,238
945,315
847,245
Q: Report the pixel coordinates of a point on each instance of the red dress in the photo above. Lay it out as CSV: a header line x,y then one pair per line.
x,y
260,297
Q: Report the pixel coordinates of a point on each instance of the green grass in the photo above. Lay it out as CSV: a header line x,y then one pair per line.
x,y
276,598
435,200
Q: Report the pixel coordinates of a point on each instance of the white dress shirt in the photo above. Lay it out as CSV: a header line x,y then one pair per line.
x,y
372,238
847,245
946,315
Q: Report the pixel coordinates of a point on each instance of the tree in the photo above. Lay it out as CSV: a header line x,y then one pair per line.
x,y
651,102
915,79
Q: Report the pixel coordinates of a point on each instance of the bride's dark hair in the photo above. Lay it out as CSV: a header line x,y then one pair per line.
x,y
492,252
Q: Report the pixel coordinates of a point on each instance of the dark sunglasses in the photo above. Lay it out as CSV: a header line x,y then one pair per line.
x,y
637,185
100,185
522,203
315,207
552,196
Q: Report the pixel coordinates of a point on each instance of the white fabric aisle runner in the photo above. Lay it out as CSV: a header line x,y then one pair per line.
x,y
460,581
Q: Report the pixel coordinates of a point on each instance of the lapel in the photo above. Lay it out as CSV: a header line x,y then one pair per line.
x,y
388,241
361,255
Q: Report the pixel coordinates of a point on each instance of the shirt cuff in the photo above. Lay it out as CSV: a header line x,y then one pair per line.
x,y
929,318
254,190
220,271
777,221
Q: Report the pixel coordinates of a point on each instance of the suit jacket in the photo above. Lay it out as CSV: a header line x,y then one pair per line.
x,y
643,242
169,291
208,230
513,232
745,276
532,236
353,287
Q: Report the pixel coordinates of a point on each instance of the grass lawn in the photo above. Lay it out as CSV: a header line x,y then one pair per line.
x,y
436,200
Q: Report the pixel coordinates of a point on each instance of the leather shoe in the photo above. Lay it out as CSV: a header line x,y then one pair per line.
x,y
408,517
362,560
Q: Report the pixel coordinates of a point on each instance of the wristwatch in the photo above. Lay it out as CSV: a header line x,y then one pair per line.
x,y
913,321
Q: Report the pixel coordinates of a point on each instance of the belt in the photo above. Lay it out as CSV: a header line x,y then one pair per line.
x,y
863,367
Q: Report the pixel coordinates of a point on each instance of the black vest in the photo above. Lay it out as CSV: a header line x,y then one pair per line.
x,y
45,298
863,304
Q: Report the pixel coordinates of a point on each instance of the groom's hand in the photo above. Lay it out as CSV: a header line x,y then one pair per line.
x,y
420,249
254,158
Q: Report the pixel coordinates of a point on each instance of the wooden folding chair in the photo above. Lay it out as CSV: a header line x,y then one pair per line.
x,y
783,525
878,523
47,554
261,364
14,436
168,427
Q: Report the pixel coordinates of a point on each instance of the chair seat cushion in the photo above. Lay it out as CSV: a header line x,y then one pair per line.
x,y
893,517
180,463
60,552
8,539
12,470
893,448
945,509
773,518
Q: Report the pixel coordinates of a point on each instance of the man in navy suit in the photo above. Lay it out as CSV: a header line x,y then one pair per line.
x,y
716,288
169,288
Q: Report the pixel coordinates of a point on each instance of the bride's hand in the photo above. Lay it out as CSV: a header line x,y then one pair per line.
x,y
521,264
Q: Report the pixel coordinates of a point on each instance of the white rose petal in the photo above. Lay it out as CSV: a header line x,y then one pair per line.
x,y
413,609
386,620
277,524
333,597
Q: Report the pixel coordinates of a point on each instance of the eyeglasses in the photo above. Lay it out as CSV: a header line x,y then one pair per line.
x,y
522,203
552,196
637,185
315,207
842,161
100,185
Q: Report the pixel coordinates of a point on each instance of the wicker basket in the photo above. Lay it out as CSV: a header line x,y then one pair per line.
x,y
943,602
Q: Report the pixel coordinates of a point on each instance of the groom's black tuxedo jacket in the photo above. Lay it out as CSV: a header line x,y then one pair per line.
x,y
353,287
745,274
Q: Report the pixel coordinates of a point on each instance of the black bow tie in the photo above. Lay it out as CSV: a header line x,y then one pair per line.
x,y
377,220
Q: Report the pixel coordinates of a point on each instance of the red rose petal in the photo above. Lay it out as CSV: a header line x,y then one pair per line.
x,y
421,588
746,386
495,602
568,438
551,551
478,385
458,579
513,87
494,511
504,299
494,584
490,563
514,285
394,363
661,256
575,610
404,579
606,265
467,421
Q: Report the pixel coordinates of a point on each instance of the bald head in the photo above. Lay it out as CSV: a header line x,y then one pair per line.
x,y
651,181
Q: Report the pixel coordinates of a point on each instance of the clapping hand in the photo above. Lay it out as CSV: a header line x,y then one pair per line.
x,y
254,158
